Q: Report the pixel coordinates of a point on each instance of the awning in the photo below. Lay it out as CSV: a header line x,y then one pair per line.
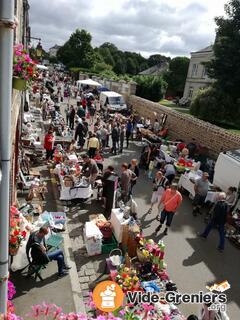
x,y
89,82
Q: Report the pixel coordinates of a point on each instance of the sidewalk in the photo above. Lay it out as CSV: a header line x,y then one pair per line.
x,y
64,292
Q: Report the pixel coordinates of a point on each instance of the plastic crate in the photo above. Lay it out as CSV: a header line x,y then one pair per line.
x,y
108,246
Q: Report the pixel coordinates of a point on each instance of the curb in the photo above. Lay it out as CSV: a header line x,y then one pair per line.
x,y
73,275
76,290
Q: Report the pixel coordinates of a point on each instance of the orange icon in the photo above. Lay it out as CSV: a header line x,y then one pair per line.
x,y
108,296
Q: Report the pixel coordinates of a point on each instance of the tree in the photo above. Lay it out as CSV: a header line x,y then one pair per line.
x,y
120,66
213,105
157,59
101,67
152,88
106,55
131,66
226,63
77,51
176,75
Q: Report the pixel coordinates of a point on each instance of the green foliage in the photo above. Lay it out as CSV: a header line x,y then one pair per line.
x,y
101,67
77,51
157,59
226,63
131,66
176,76
151,88
53,59
221,103
213,105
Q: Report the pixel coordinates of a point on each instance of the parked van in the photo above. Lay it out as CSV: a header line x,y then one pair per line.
x,y
112,101
227,170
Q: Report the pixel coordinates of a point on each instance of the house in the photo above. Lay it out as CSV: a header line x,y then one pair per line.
x,y
197,77
53,51
155,70
19,98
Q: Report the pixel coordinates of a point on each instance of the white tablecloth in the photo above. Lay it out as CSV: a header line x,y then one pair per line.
x,y
187,184
77,192
67,193
117,222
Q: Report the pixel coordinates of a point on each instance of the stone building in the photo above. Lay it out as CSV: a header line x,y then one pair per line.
x,y
21,36
197,77
54,50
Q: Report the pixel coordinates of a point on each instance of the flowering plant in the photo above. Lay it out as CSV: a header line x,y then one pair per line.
x,y
11,290
23,65
16,235
127,279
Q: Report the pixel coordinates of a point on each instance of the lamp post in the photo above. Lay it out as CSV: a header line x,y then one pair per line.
x,y
39,50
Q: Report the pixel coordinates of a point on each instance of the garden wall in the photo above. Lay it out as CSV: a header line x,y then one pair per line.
x,y
185,127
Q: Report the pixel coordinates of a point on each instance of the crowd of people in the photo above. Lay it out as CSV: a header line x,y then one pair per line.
x,y
100,134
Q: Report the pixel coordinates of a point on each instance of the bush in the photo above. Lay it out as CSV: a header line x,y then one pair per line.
x,y
212,105
151,88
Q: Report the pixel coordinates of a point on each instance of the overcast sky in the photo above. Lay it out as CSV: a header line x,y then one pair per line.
x,y
169,27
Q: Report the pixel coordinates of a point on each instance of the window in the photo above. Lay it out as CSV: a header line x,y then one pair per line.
x,y
204,73
190,94
194,70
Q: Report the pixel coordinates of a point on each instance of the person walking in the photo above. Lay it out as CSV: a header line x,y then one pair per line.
x,y
72,117
218,220
93,146
48,144
125,182
129,130
171,201
133,166
103,133
81,112
80,133
160,184
121,137
201,189
67,113
170,172
115,138
92,112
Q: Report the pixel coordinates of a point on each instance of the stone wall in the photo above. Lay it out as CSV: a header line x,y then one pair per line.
x,y
186,127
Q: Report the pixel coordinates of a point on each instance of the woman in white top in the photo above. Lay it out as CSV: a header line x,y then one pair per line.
x,y
159,185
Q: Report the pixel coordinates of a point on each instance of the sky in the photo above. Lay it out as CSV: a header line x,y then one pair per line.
x,y
169,27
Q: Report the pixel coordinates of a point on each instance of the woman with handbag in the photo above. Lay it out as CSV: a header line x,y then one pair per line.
x,y
171,201
160,184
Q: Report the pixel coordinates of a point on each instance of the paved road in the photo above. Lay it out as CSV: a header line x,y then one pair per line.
x,y
192,262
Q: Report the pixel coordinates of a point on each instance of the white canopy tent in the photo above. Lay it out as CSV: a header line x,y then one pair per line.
x,y
41,67
227,170
88,82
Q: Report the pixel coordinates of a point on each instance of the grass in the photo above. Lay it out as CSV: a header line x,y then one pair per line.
x,y
234,131
168,103
173,105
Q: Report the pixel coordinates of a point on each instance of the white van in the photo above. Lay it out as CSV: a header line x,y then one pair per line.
x,y
112,101
227,170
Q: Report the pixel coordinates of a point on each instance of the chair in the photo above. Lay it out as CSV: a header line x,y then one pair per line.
x,y
34,269
27,181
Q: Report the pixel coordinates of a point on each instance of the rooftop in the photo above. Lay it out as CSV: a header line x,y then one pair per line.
x,y
207,49
155,70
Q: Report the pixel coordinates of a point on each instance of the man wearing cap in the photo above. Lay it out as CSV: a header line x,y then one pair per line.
x,y
201,189
171,201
